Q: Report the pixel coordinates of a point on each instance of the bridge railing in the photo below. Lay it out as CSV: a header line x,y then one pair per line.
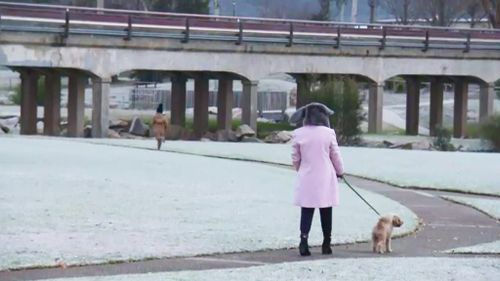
x,y
67,20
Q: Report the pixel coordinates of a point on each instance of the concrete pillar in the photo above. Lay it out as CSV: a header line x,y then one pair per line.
x,y
249,104
412,105
486,98
200,125
375,107
303,85
100,107
436,110
76,104
178,102
52,104
225,104
29,84
460,108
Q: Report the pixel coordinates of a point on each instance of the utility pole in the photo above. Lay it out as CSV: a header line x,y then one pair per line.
x,y
216,8
372,4
405,12
234,8
354,11
100,4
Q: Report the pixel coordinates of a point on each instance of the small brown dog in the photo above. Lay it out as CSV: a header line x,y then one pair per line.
x,y
382,232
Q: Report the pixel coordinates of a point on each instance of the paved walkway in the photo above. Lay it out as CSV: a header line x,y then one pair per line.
x,y
445,225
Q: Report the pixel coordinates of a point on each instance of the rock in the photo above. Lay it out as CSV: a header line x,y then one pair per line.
x,y
251,140
244,131
10,121
407,145
112,134
39,127
126,135
210,136
87,131
119,125
278,137
4,129
226,135
138,127
421,145
387,143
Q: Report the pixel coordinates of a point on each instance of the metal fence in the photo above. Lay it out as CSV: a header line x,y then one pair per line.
x,y
149,98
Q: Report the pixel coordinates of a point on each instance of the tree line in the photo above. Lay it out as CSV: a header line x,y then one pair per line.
x,y
431,12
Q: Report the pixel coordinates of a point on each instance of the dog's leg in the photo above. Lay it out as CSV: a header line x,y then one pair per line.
x,y
380,247
388,244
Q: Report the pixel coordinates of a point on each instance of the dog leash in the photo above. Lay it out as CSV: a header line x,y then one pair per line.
x,y
359,195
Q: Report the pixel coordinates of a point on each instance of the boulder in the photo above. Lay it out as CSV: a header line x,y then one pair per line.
x,y
251,140
119,124
210,136
138,127
112,134
4,129
87,131
278,137
421,145
406,145
226,135
244,131
9,121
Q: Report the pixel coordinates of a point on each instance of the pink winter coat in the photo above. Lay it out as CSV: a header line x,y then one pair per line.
x,y
316,157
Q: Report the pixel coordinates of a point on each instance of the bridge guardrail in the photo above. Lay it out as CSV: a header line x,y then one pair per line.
x,y
129,24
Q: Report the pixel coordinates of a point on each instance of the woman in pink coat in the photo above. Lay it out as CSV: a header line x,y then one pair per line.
x,y
317,159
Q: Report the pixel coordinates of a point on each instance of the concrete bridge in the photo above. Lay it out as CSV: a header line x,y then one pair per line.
x,y
83,43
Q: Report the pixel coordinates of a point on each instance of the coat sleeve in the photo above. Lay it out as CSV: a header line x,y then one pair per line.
x,y
296,157
335,156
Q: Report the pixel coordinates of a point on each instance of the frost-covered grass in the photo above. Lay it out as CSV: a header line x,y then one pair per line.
x,y
85,203
486,248
454,171
485,205
374,269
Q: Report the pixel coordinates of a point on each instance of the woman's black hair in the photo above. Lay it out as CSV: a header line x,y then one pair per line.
x,y
316,116
159,109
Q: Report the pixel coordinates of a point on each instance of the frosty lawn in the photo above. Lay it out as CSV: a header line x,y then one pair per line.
x,y
374,269
488,206
486,248
85,203
465,172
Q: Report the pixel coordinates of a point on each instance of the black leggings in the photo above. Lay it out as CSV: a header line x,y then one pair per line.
x,y
326,220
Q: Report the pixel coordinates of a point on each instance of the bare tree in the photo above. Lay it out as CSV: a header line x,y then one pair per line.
x,y
401,10
492,10
434,12
276,9
474,13
440,12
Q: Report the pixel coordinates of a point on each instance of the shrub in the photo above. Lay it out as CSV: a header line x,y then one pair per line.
x,y
341,95
490,130
16,97
442,141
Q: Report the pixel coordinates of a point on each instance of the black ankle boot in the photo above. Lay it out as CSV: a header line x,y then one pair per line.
x,y
326,249
303,246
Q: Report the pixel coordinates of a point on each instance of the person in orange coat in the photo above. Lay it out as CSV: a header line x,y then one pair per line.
x,y
160,125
